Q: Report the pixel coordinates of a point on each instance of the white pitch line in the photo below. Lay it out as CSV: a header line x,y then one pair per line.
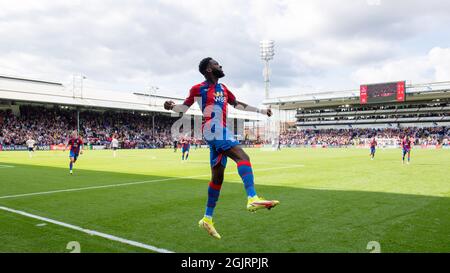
x,y
6,166
134,183
92,187
88,231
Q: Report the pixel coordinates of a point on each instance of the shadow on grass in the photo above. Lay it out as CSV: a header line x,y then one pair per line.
x,y
165,213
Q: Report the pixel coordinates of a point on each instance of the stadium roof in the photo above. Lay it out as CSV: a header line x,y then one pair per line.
x,y
41,91
416,92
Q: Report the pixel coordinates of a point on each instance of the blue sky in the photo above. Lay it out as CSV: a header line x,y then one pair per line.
x,y
320,44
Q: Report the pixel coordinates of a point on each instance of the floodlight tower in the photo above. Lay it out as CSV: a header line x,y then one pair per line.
x,y
82,79
77,87
77,92
151,95
267,50
152,92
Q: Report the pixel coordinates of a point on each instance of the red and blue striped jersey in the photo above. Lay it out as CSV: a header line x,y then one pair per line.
x,y
213,100
186,144
406,144
75,144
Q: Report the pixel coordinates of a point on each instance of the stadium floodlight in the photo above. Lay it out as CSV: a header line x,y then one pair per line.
x,y
82,79
267,50
151,93
78,93
77,87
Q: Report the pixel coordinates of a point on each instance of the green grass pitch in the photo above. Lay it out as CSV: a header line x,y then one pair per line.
x,y
331,200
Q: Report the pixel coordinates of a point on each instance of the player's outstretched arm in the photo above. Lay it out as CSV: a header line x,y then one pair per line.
x,y
67,145
179,108
245,107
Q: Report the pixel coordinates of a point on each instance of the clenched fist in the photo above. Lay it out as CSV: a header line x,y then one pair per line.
x,y
267,112
168,105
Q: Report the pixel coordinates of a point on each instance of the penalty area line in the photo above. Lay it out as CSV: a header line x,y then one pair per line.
x,y
137,183
88,231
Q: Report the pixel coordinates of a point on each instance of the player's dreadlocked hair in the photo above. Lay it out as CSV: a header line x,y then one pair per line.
x,y
203,65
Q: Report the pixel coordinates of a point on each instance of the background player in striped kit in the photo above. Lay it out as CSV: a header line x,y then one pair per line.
x,y
406,149
76,148
373,145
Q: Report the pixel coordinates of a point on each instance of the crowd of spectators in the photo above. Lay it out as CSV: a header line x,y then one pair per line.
x,y
53,126
133,130
46,126
358,136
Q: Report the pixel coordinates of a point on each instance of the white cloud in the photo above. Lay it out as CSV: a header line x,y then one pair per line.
x,y
439,59
131,45
410,69
434,66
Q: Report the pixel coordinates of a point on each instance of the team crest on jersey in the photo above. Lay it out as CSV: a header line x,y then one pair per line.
x,y
219,97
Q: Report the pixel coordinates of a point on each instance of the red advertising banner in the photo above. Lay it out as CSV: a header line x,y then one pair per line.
x,y
400,91
58,147
363,94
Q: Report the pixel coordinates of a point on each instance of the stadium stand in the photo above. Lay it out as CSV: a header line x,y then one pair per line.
x,y
48,111
52,126
433,136
339,119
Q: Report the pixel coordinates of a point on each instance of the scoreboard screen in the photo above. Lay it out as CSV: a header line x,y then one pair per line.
x,y
382,92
